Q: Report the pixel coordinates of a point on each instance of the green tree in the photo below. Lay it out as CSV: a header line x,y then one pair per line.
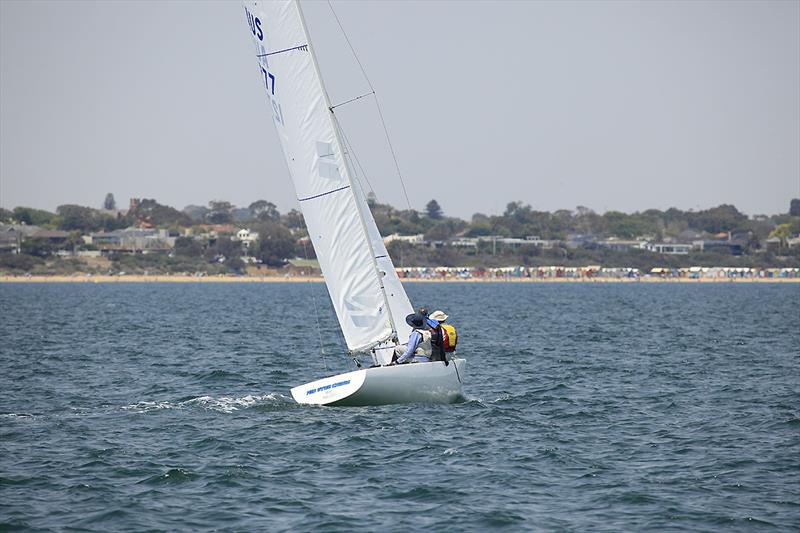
x,y
37,247
794,207
77,217
717,219
480,226
220,212
444,230
434,210
627,226
33,217
235,264
109,203
85,219
294,220
782,232
19,262
225,247
187,247
156,214
264,210
275,244
195,212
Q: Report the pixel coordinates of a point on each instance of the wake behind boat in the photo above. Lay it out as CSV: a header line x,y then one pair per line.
x,y
369,300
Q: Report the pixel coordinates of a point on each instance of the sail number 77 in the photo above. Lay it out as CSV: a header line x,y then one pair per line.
x,y
269,84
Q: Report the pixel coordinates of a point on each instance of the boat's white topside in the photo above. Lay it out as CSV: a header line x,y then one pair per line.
x,y
408,383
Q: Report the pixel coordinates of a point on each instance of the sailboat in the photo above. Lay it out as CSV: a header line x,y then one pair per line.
x,y
369,300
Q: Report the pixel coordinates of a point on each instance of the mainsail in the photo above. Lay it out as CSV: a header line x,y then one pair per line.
x,y
367,295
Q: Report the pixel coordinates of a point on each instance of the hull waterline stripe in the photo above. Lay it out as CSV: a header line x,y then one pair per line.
x,y
323,194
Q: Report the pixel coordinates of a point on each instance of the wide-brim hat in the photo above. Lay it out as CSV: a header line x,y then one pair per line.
x,y
415,320
438,316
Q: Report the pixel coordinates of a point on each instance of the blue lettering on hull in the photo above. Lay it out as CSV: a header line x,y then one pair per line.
x,y
327,387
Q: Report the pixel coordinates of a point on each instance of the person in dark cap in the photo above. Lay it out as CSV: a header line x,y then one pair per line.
x,y
431,323
419,341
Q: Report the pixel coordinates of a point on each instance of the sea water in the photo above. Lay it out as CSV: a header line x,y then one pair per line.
x,y
166,407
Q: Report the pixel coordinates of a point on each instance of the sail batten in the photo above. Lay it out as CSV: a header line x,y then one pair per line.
x,y
362,283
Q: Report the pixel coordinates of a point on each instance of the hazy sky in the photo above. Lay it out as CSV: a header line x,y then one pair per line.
x,y
611,105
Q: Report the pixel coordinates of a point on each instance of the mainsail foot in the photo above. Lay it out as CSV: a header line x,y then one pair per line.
x,y
382,385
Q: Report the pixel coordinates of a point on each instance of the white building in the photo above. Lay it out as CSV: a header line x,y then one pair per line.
x,y
622,245
246,237
668,248
410,239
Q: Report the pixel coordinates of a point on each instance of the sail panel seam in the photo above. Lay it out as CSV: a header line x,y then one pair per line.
x,y
303,47
323,194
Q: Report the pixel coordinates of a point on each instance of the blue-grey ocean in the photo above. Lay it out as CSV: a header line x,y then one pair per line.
x,y
590,407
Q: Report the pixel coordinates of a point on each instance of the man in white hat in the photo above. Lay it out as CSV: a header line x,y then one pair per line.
x,y
437,340
438,316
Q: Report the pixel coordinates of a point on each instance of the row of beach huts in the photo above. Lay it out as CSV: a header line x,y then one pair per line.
x,y
596,272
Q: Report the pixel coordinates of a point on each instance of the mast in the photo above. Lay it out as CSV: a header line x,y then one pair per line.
x,y
347,172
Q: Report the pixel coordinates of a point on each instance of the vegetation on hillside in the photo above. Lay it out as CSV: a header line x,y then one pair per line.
x,y
281,236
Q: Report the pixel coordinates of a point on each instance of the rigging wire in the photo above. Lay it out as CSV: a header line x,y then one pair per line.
x,y
351,153
316,313
377,105
351,100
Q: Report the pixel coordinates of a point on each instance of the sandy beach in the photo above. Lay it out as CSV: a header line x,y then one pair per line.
x,y
302,279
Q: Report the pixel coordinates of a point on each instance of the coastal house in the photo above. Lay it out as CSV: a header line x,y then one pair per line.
x,y
776,244
246,237
515,242
669,248
720,246
619,245
415,240
465,242
133,240
773,244
54,237
537,241
13,235
215,230
580,240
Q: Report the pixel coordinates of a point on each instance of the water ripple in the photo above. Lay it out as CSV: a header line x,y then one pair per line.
x,y
617,407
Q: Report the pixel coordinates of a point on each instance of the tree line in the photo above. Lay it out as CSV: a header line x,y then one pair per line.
x,y
281,234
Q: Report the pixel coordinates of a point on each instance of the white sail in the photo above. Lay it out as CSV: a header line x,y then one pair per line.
x,y
395,293
349,248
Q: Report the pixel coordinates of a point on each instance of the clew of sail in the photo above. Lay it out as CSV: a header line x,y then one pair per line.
x,y
368,298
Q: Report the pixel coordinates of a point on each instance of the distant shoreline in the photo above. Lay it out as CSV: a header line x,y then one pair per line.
x,y
306,279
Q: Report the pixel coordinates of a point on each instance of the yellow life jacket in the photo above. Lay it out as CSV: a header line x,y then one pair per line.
x,y
449,337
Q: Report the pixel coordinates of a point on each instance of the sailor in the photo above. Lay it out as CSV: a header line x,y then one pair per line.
x,y
437,337
424,312
419,341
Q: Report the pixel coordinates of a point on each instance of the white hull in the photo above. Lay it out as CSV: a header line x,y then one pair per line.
x,y
408,383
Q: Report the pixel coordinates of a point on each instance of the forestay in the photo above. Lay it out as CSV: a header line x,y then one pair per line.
x,y
367,295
